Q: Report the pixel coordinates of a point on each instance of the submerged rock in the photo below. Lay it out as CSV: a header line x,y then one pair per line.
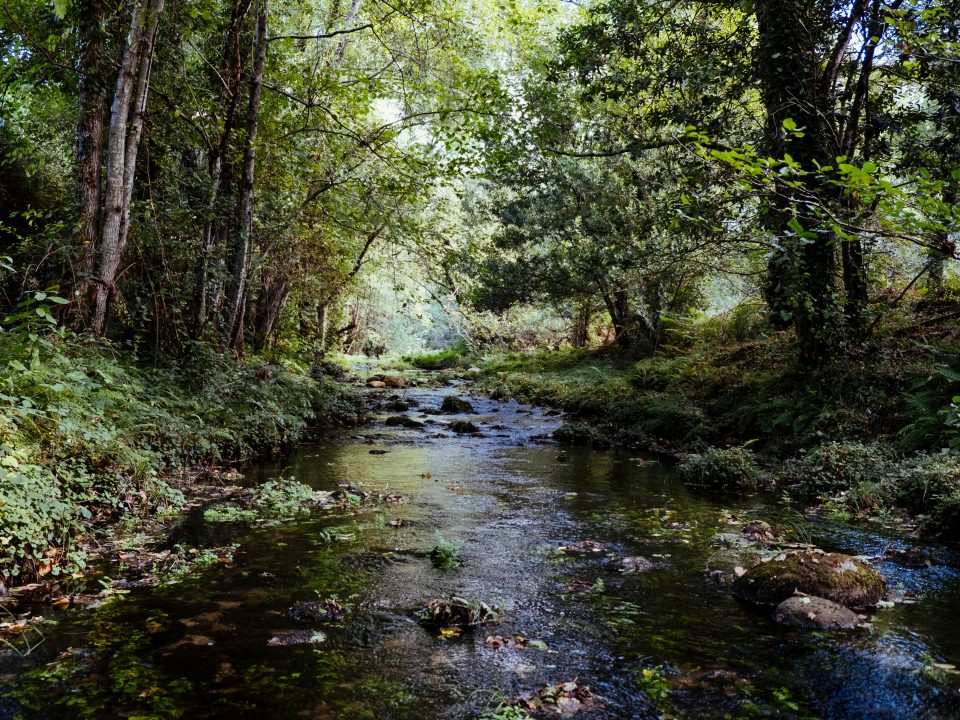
x,y
317,611
759,531
584,547
840,578
463,427
454,404
458,612
909,558
815,613
403,420
633,564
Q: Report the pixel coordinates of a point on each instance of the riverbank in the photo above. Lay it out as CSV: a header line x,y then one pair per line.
x,y
871,435
91,440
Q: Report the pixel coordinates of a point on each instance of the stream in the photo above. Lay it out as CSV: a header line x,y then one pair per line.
x,y
670,641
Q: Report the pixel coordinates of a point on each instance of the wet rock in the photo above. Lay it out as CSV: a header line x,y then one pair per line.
x,y
297,637
584,547
394,381
376,384
633,564
815,613
759,531
404,421
463,427
454,404
910,557
458,612
840,578
317,611
379,452
563,699
398,405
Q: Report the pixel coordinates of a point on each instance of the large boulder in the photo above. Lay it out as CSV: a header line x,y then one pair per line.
x,y
840,578
815,613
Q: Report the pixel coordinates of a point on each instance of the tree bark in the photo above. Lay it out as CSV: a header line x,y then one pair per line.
x,y
801,283
579,334
208,292
239,260
88,145
126,129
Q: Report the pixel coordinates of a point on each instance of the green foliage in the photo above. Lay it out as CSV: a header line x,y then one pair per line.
x,y
445,554
837,466
458,356
86,437
722,468
927,480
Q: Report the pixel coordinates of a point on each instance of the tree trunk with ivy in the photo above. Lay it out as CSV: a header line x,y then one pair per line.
x,y
801,284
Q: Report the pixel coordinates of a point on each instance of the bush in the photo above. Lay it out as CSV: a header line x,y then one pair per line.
x,y
723,468
927,479
837,466
579,433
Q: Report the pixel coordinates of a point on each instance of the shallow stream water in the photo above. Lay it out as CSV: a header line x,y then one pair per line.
x,y
207,646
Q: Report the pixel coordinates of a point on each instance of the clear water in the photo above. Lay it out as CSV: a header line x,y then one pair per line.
x,y
200,648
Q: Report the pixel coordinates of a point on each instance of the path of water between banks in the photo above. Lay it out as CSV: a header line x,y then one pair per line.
x,y
507,498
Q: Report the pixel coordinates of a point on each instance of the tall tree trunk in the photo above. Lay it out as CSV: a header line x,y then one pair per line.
x,y
273,298
239,260
618,306
852,252
208,292
580,332
801,283
88,145
126,129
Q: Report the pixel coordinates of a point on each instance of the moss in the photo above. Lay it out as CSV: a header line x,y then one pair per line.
x,y
840,578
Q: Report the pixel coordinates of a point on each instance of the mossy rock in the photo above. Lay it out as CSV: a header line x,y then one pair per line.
x,y
463,427
840,578
815,613
454,404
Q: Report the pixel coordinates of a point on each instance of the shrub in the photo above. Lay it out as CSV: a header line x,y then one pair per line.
x,y
837,466
580,433
723,468
927,479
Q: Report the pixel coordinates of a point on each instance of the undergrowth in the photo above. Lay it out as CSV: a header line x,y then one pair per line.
x,y
88,436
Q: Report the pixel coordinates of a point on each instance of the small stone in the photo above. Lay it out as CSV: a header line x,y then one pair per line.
x,y
633,564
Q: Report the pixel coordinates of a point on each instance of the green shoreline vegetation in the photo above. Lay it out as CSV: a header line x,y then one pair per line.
x,y
89,439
